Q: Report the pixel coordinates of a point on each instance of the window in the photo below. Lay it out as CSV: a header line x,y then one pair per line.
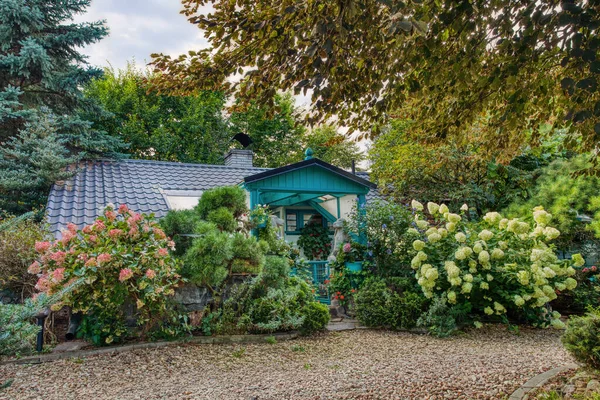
x,y
182,199
295,220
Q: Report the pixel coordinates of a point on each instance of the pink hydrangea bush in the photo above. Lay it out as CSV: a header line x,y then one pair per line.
x,y
124,258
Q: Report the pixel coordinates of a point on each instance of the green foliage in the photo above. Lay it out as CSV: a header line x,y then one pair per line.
x,y
124,260
443,320
40,97
333,147
222,217
389,243
315,241
159,127
232,198
566,197
381,305
179,223
316,317
407,166
276,134
434,62
17,252
30,162
582,338
498,266
17,328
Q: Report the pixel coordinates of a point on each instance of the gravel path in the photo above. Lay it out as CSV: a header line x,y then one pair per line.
x,y
361,364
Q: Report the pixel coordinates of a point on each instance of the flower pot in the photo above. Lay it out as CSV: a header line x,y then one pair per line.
x,y
355,266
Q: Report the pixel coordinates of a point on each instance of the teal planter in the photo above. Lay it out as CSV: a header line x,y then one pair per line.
x,y
355,266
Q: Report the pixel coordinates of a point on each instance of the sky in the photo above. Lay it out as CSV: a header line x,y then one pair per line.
x,y
139,28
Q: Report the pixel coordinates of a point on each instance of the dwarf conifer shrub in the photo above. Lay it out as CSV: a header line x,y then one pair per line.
x,y
582,338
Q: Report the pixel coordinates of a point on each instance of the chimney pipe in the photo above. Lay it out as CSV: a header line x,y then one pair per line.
x,y
353,167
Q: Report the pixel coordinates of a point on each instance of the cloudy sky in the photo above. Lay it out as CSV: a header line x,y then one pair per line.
x,y
139,28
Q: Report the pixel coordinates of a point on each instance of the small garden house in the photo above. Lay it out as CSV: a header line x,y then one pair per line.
x,y
308,191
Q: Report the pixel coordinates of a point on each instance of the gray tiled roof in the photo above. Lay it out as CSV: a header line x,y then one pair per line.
x,y
137,183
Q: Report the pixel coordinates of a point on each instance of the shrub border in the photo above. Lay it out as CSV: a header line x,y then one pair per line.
x,y
228,339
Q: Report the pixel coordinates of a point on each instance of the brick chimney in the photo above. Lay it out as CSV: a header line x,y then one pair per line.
x,y
239,158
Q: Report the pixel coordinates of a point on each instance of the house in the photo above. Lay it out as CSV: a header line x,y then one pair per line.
x,y
310,190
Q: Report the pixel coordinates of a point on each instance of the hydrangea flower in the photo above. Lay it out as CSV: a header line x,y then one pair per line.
x,y
453,218
443,209
488,310
464,207
542,217
497,254
451,226
124,274
519,301
578,260
418,245
434,237
485,235
452,297
492,218
432,208
416,205
460,237
483,257
422,224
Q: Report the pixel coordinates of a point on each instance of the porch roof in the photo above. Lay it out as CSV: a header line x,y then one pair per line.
x,y
307,182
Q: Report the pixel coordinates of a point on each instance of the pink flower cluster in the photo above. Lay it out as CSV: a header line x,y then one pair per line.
x,y
123,209
593,268
35,268
58,275
125,274
58,257
67,236
104,258
347,248
162,252
110,215
115,233
42,247
150,274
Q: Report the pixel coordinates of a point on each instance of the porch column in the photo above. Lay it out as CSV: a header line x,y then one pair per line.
x,y
362,212
253,202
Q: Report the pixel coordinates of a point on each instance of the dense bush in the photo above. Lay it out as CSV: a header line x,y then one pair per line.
x,y
388,239
17,252
582,338
496,266
442,319
394,306
316,317
123,257
232,198
273,301
566,197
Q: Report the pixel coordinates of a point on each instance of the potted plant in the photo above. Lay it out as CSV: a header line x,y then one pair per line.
x,y
352,254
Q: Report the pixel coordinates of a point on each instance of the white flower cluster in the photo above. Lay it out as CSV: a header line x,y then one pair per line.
x,y
464,264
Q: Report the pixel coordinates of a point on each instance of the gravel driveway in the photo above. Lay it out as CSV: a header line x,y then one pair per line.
x,y
360,364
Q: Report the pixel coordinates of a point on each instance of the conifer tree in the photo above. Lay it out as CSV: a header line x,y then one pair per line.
x,y
41,67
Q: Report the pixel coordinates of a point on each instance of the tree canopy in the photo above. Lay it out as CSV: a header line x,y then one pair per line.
x,y
155,126
447,65
41,75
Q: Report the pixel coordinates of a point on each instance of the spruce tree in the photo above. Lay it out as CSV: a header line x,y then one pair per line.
x,y
40,67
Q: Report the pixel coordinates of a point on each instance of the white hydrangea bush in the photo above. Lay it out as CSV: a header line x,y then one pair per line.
x,y
496,265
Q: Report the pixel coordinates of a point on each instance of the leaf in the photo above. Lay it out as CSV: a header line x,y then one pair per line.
x,y
405,25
